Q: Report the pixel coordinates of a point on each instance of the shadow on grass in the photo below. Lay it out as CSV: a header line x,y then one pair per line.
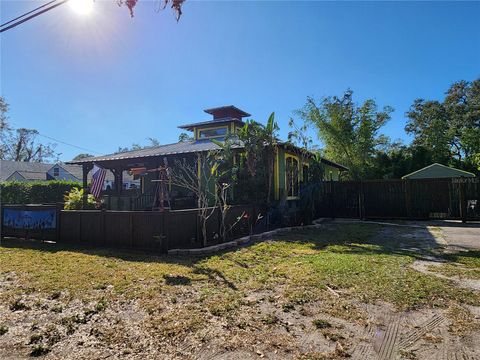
x,y
370,239
456,257
195,263
177,280
355,238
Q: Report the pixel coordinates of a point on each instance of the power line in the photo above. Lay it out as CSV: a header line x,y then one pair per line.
x,y
27,13
35,14
65,143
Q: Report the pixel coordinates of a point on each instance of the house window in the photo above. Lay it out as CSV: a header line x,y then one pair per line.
x,y
305,174
212,133
56,171
291,170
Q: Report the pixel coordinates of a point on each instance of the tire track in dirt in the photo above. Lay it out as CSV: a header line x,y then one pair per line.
x,y
385,342
450,352
364,351
416,334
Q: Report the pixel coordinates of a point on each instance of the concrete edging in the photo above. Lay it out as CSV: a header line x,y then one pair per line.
x,y
244,240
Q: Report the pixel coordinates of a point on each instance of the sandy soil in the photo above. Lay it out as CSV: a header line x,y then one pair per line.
x,y
263,327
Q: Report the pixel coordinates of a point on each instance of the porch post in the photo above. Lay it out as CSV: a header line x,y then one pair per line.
x,y
119,183
118,176
85,170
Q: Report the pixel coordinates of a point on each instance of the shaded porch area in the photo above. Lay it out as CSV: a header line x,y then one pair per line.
x,y
146,196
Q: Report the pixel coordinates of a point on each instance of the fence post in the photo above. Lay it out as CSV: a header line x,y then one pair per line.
x,y
57,230
408,198
165,234
80,240
104,228
361,214
1,223
463,201
332,199
198,225
130,221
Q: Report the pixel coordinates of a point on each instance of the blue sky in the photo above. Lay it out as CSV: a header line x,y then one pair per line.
x,y
106,80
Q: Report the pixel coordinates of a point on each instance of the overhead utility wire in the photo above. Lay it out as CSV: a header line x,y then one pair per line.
x,y
27,13
35,14
65,143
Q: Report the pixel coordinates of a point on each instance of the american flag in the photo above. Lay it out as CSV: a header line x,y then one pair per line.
x,y
98,177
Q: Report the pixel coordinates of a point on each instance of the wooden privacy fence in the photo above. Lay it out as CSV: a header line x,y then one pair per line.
x,y
400,199
149,230
30,221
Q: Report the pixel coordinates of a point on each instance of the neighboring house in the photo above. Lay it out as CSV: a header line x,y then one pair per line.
x,y
27,176
288,172
62,171
23,171
437,171
31,171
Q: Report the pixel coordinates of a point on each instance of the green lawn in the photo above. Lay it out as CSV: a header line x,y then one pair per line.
x,y
465,264
338,267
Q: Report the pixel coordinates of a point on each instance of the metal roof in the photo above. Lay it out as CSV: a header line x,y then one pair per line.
x,y
211,122
162,150
436,171
226,109
174,149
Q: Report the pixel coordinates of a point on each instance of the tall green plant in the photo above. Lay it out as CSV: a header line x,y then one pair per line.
x,y
74,200
350,133
270,133
259,149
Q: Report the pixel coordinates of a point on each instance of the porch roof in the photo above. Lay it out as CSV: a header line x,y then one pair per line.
x,y
183,147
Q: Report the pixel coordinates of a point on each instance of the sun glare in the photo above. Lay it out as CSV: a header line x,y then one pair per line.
x,y
82,7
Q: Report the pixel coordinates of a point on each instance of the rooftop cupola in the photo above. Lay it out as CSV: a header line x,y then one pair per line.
x,y
230,111
226,119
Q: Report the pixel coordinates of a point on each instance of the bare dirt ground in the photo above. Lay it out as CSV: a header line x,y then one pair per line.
x,y
312,298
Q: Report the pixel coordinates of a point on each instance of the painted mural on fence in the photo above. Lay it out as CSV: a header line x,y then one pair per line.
x,y
28,219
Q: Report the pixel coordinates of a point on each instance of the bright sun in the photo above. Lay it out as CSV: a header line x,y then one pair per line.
x,y
81,6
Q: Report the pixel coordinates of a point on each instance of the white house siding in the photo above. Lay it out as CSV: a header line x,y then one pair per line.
x,y
62,174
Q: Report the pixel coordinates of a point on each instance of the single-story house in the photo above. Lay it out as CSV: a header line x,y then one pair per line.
x,y
23,171
437,171
288,171
33,171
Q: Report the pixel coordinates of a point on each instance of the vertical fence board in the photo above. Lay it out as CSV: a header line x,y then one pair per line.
x,y
117,229
148,230
403,199
182,228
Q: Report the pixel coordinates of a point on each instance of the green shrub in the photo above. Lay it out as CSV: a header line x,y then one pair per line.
x,y
3,330
38,192
321,324
74,200
39,350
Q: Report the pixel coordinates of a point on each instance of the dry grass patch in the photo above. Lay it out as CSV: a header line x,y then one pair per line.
x,y
273,297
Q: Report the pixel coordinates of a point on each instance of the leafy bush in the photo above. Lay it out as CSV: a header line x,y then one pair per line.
x,y
3,330
74,200
39,192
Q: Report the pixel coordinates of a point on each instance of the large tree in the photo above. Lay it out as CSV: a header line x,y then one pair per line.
x,y
21,144
4,127
349,133
135,146
82,156
450,129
